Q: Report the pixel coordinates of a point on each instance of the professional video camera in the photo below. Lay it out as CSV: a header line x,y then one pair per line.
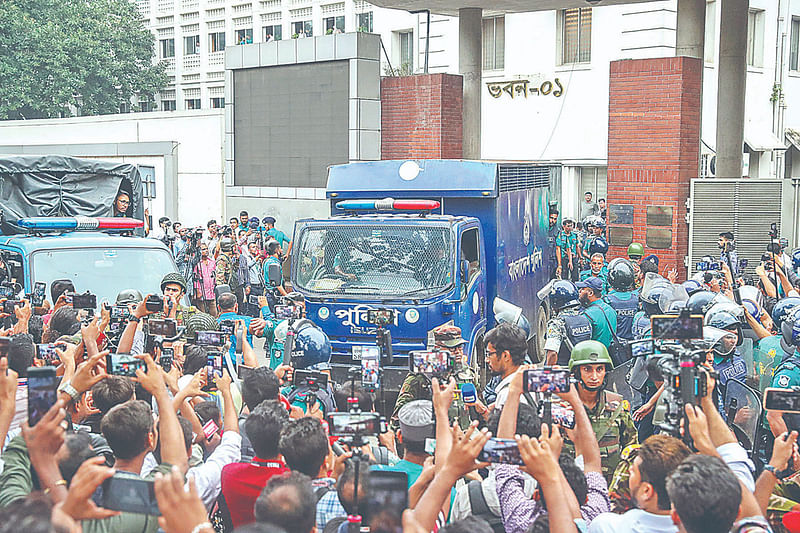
x,y
683,351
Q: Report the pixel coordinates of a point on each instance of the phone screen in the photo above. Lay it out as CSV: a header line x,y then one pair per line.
x,y
346,424
131,495
501,451
430,363
38,296
386,499
164,328
122,364
782,400
213,370
210,338
677,327
42,393
370,368
546,380
641,348
563,416
84,301
47,353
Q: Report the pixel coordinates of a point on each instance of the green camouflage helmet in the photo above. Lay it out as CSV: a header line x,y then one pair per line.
x,y
173,277
589,353
635,250
128,296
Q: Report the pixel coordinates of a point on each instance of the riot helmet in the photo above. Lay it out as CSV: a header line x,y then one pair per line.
x,y
723,318
782,309
700,302
621,275
589,353
721,341
790,329
128,296
564,295
692,286
598,246
796,259
507,312
312,348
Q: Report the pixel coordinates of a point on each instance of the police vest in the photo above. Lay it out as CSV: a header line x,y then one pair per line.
x,y
790,364
625,309
578,328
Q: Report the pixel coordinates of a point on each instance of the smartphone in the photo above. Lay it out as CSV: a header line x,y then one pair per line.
x,y
563,416
787,400
123,364
501,451
677,327
385,500
546,380
166,358
380,316
9,305
641,348
430,363
38,295
243,370
131,495
253,299
211,338
47,353
347,424
86,300
120,312
227,327
42,392
287,312
309,378
213,370
4,346
6,291
154,303
370,372
164,328
210,428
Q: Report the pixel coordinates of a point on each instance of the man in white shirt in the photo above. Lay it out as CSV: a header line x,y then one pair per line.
x,y
506,347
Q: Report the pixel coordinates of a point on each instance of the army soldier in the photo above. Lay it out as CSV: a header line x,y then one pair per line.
x,y
173,286
609,413
418,386
569,327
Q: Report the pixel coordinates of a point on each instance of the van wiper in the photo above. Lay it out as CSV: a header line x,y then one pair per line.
x,y
417,291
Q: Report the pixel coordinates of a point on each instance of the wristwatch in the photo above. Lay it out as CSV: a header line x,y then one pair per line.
x,y
134,318
779,474
71,391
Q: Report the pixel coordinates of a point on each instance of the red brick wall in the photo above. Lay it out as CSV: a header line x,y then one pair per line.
x,y
654,144
421,117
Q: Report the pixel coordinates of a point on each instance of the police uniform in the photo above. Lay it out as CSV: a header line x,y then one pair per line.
x,y
604,321
418,386
729,368
640,328
768,354
626,304
564,331
787,374
603,275
613,428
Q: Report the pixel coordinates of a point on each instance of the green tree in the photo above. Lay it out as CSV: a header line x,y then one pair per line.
x,y
89,54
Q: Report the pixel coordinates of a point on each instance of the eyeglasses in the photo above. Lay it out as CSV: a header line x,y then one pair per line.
x,y
489,353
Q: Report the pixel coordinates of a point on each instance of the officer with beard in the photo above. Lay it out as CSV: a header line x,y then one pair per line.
x,y
608,412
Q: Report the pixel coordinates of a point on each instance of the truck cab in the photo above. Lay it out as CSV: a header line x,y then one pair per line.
x,y
436,243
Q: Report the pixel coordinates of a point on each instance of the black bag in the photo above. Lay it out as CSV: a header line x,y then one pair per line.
x,y
480,508
619,350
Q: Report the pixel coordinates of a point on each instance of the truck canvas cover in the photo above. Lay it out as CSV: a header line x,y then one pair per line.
x,y
54,185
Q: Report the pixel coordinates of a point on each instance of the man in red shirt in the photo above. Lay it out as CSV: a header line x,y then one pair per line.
x,y
243,482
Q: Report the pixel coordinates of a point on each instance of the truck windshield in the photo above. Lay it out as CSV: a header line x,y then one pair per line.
x,y
385,260
103,271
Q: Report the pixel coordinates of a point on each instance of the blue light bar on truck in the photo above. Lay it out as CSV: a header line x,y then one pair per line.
x,y
79,223
387,204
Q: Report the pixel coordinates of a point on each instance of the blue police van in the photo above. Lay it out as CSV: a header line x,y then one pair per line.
x,y
435,240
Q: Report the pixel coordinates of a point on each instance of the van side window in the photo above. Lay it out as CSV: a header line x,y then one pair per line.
x,y
11,267
470,251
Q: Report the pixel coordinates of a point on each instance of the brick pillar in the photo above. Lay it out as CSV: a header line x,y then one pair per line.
x,y
421,117
653,151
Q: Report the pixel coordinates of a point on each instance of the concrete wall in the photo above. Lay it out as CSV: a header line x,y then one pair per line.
x,y
185,148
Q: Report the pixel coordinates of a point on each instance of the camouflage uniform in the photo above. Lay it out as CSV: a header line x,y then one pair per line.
x,y
613,427
418,386
182,315
619,490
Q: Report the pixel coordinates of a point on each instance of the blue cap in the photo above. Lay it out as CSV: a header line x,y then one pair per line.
x,y
651,257
268,220
592,283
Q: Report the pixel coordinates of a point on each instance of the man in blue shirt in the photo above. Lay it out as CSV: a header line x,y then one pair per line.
x,y
601,315
229,310
278,235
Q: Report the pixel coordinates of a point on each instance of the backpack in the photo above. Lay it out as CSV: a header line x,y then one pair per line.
x,y
480,508
324,395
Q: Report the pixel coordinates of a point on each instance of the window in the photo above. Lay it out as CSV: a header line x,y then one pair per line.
x,y
146,105
125,107
216,41
755,38
168,105
494,43
191,45
217,103
302,28
407,51
593,180
470,252
244,36
193,103
148,181
793,44
364,22
273,33
167,47
334,25
575,31
711,30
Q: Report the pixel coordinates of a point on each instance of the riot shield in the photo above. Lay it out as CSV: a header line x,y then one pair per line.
x,y
744,413
616,382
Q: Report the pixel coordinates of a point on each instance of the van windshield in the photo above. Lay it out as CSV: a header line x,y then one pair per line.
x,y
378,260
103,271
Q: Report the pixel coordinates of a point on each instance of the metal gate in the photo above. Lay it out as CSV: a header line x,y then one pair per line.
x,y
745,206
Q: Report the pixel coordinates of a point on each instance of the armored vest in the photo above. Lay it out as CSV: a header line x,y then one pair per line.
x,y
578,328
626,309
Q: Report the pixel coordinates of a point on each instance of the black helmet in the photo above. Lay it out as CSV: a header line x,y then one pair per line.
x,y
782,309
651,304
128,296
724,319
563,295
621,275
700,302
790,330
173,277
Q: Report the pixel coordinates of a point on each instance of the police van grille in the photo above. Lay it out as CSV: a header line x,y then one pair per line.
x,y
746,207
515,177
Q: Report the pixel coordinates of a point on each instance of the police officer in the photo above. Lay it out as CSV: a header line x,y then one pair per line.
x,y
623,298
446,337
608,412
729,365
552,234
787,374
600,314
567,251
311,351
650,306
771,350
569,325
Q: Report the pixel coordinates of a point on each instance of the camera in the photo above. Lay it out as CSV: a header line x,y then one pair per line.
x,y
677,327
227,327
288,312
546,380
154,303
10,305
705,266
381,317
350,424
641,348
7,290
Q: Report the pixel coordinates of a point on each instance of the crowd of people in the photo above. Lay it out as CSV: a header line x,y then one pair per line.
x,y
195,432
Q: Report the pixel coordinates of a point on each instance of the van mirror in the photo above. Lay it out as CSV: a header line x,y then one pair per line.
x,y
274,275
463,267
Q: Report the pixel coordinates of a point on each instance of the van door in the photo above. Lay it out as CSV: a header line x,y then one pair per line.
x,y
472,279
